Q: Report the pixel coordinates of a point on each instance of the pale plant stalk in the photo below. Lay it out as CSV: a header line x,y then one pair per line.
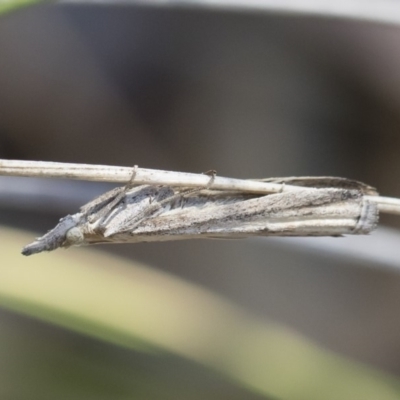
x,y
105,173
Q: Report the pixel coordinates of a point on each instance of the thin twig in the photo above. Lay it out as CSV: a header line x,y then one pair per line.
x,y
105,173
389,205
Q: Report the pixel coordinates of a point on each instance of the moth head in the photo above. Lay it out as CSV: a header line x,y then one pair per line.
x,y
74,237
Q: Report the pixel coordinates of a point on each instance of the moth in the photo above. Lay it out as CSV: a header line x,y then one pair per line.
x,y
323,206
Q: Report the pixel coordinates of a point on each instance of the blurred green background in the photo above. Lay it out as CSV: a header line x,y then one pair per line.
x,y
251,93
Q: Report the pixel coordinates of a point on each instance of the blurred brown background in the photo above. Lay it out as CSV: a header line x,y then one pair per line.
x,y
250,94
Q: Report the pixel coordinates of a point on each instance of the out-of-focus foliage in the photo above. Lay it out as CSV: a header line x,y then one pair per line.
x,y
158,316
122,85
9,5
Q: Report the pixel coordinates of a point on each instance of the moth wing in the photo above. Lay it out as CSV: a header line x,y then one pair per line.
x,y
325,182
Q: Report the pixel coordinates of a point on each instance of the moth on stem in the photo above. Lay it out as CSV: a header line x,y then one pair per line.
x,y
164,205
